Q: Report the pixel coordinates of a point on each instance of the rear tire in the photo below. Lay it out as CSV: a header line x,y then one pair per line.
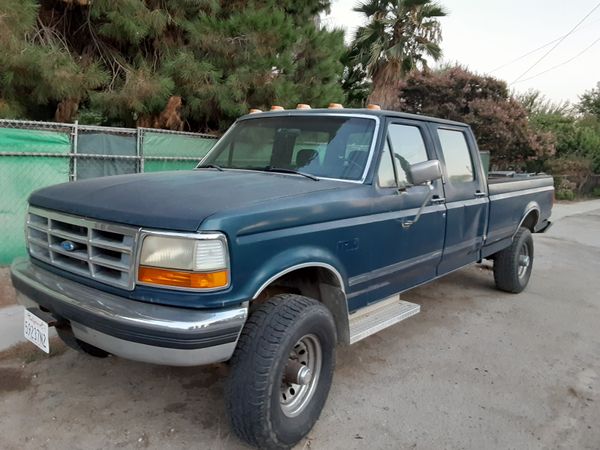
x,y
513,265
265,407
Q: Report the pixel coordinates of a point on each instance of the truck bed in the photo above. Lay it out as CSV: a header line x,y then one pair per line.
x,y
511,182
510,195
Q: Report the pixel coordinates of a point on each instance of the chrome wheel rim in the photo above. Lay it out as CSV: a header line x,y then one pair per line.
x,y
524,261
306,354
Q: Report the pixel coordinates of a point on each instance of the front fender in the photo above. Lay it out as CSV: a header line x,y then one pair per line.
x,y
292,259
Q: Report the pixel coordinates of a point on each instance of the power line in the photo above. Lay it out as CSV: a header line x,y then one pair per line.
x,y
557,44
525,55
561,64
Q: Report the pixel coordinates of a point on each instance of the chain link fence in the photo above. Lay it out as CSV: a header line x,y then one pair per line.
x,y
38,154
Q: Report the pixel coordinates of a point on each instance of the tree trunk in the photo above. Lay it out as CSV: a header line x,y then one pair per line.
x,y
385,91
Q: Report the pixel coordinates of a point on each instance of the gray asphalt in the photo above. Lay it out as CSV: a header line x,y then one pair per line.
x,y
476,369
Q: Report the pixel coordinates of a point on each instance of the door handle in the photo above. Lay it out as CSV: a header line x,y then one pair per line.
x,y
437,200
479,194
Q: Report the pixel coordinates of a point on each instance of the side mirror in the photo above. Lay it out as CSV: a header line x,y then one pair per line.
x,y
425,172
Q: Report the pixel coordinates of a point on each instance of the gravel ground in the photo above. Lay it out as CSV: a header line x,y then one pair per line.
x,y
476,369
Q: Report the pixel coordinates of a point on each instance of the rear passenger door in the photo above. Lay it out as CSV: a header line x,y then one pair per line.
x,y
465,189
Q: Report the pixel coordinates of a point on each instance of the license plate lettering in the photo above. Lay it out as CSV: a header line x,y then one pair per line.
x,y
35,330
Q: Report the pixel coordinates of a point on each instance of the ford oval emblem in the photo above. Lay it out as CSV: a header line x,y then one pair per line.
x,y
68,246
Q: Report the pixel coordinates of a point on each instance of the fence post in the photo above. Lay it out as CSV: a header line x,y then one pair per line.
x,y
73,165
140,150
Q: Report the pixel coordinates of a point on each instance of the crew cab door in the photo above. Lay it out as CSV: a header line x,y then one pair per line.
x,y
402,256
465,190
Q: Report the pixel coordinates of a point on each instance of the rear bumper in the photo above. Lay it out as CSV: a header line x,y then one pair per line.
x,y
130,329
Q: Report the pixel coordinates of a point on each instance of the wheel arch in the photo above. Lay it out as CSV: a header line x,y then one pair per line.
x,y
315,279
530,218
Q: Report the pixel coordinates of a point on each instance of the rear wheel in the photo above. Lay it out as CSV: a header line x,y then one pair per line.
x,y
281,371
513,265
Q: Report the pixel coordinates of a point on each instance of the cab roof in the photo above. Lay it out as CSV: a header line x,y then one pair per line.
x,y
351,111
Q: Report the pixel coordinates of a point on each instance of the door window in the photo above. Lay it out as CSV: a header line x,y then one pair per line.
x,y
386,176
456,156
408,147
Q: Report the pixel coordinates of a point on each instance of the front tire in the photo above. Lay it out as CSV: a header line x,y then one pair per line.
x,y
513,265
281,371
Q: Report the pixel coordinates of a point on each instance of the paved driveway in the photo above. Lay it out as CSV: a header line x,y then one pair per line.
x,y
476,369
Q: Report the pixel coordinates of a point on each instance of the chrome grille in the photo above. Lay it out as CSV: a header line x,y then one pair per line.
x,y
102,251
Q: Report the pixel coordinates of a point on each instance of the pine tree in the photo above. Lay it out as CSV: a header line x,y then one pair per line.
x,y
196,64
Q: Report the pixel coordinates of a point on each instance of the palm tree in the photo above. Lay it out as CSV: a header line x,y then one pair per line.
x,y
399,37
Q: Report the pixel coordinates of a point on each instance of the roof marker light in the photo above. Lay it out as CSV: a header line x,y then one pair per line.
x,y
336,106
302,106
277,108
373,107
255,110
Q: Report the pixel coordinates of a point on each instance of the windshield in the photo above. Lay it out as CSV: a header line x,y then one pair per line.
x,y
323,146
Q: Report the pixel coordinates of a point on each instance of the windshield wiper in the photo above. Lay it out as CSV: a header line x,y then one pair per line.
x,y
211,166
292,171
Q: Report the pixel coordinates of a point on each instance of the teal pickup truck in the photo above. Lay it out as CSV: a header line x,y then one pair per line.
x,y
296,233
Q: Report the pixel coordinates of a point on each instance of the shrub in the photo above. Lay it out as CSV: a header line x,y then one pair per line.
x,y
565,194
500,122
571,173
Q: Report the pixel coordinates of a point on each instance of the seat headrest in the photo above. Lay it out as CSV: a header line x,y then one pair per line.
x,y
305,156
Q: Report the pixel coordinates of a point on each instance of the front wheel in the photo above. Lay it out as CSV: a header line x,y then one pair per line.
x,y
512,266
281,371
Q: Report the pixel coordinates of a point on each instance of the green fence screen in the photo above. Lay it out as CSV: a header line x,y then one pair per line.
x,y
38,154
173,145
34,141
26,174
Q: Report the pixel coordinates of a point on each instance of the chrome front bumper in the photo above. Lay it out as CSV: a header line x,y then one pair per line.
x,y
128,328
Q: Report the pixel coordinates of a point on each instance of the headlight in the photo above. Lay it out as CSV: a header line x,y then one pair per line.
x,y
194,262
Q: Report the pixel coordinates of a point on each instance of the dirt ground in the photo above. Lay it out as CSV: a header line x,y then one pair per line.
x,y
476,369
7,292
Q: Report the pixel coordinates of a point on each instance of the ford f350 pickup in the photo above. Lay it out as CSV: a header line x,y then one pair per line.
x,y
297,232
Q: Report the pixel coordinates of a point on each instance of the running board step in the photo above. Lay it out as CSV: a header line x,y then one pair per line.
x,y
379,316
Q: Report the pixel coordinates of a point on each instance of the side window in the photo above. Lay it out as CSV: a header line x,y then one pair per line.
x,y
456,156
386,177
408,147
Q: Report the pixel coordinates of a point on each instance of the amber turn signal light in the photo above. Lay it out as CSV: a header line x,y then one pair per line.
x,y
374,107
276,108
191,280
336,106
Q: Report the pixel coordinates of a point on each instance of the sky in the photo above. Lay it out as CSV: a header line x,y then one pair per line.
x,y
487,34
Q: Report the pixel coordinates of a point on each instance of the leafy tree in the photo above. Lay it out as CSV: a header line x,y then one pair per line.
x,y
536,103
576,138
192,64
589,102
399,37
577,143
498,120
355,82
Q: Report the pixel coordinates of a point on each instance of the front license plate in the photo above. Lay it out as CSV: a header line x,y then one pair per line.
x,y
36,331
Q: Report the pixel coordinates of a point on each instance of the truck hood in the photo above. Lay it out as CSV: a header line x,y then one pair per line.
x,y
171,200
